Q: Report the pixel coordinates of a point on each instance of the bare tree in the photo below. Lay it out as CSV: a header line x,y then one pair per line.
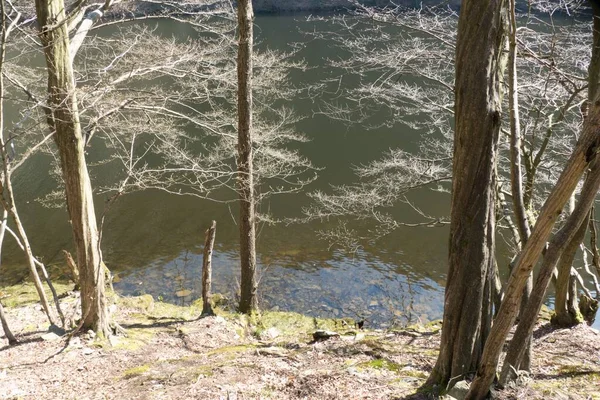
x,y
63,118
248,301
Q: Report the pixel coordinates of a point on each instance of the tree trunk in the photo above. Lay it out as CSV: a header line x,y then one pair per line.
x,y
63,117
585,151
468,307
209,242
516,173
248,301
565,314
7,196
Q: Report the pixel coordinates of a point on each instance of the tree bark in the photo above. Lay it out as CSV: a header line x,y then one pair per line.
x,y
248,301
467,307
209,243
63,117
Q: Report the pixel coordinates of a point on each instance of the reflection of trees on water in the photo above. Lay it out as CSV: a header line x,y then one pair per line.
x,y
362,286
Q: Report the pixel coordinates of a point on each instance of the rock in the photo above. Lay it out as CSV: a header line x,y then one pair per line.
x,y
57,329
113,340
87,351
183,293
76,343
50,337
273,351
269,334
459,390
324,335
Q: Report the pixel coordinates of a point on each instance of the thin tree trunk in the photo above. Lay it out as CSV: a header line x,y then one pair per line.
x,y
516,173
7,332
209,243
556,247
8,203
12,340
594,250
63,117
480,62
248,301
584,152
565,315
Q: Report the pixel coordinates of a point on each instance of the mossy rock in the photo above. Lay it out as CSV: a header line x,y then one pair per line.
x,y
291,324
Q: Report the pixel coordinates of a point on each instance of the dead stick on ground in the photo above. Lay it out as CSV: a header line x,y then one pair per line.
x,y
73,267
207,269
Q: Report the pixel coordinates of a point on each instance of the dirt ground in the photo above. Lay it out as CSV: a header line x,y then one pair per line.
x,y
170,353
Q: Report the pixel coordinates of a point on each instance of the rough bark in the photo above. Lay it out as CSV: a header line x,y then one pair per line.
x,y
63,117
209,242
467,306
248,301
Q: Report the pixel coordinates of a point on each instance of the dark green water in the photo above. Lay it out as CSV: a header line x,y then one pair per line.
x,y
153,240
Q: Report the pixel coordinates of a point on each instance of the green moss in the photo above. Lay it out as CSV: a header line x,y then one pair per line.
x,y
578,370
232,349
136,338
294,324
136,371
204,370
23,294
144,302
381,363
565,320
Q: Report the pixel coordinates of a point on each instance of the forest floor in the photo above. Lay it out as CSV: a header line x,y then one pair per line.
x,y
171,353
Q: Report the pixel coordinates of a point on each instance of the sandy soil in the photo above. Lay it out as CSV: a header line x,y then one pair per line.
x,y
169,353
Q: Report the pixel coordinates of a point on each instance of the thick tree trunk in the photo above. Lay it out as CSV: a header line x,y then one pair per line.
x,y
585,151
63,117
209,242
467,308
248,301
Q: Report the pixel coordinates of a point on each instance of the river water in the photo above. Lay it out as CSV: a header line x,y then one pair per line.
x,y
153,241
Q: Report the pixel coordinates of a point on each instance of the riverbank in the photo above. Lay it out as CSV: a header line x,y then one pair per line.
x,y
170,353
